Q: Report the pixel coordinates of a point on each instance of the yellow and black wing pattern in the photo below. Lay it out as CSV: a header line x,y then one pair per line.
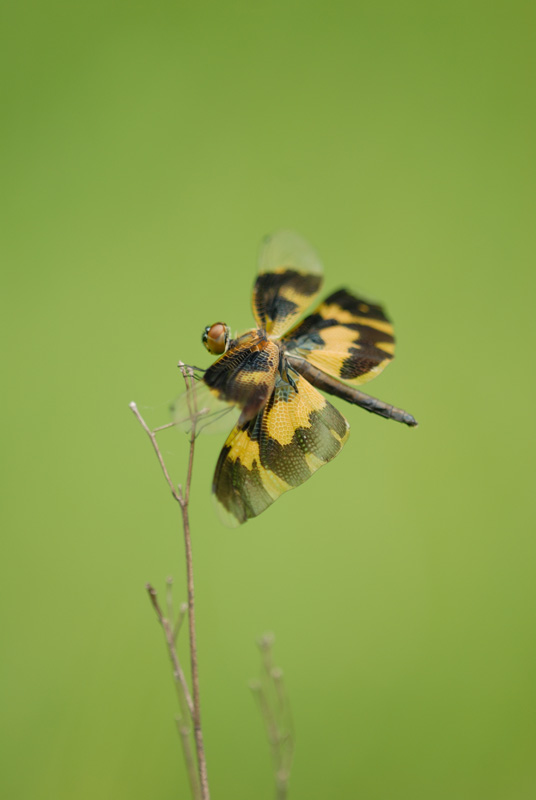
x,y
245,374
288,281
296,432
346,337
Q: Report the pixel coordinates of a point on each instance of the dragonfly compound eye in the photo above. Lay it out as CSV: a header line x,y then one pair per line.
x,y
216,338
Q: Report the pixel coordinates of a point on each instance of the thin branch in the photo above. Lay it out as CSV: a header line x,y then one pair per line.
x,y
185,497
178,674
182,497
269,721
287,723
169,599
180,619
275,711
184,733
164,427
185,700
188,376
152,437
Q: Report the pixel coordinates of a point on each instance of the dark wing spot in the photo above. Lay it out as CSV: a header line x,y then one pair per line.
x,y
368,334
269,286
288,461
361,360
351,303
240,490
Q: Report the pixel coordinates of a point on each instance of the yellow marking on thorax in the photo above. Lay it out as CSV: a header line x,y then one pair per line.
x,y
250,333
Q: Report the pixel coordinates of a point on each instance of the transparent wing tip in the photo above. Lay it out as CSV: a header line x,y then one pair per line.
x,y
286,248
198,407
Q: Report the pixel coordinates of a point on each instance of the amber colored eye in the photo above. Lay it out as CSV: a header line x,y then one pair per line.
x,y
215,338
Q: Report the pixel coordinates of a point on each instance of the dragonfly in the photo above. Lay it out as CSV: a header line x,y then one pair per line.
x,y
271,374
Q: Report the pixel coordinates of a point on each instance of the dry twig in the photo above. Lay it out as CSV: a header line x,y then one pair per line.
x,y
182,497
274,706
183,694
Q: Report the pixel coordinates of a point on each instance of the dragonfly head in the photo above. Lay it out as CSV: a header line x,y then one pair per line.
x,y
216,338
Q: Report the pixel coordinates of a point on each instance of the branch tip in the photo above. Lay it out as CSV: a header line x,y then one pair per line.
x,y
266,641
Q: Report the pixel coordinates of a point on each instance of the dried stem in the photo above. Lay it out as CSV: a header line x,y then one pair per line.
x,y
183,501
178,674
180,619
183,694
152,436
275,710
169,598
182,497
184,733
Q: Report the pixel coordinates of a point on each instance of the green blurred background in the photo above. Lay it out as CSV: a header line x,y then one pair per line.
x,y
147,147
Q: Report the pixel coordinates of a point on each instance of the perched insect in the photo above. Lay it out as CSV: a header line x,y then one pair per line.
x,y
286,429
